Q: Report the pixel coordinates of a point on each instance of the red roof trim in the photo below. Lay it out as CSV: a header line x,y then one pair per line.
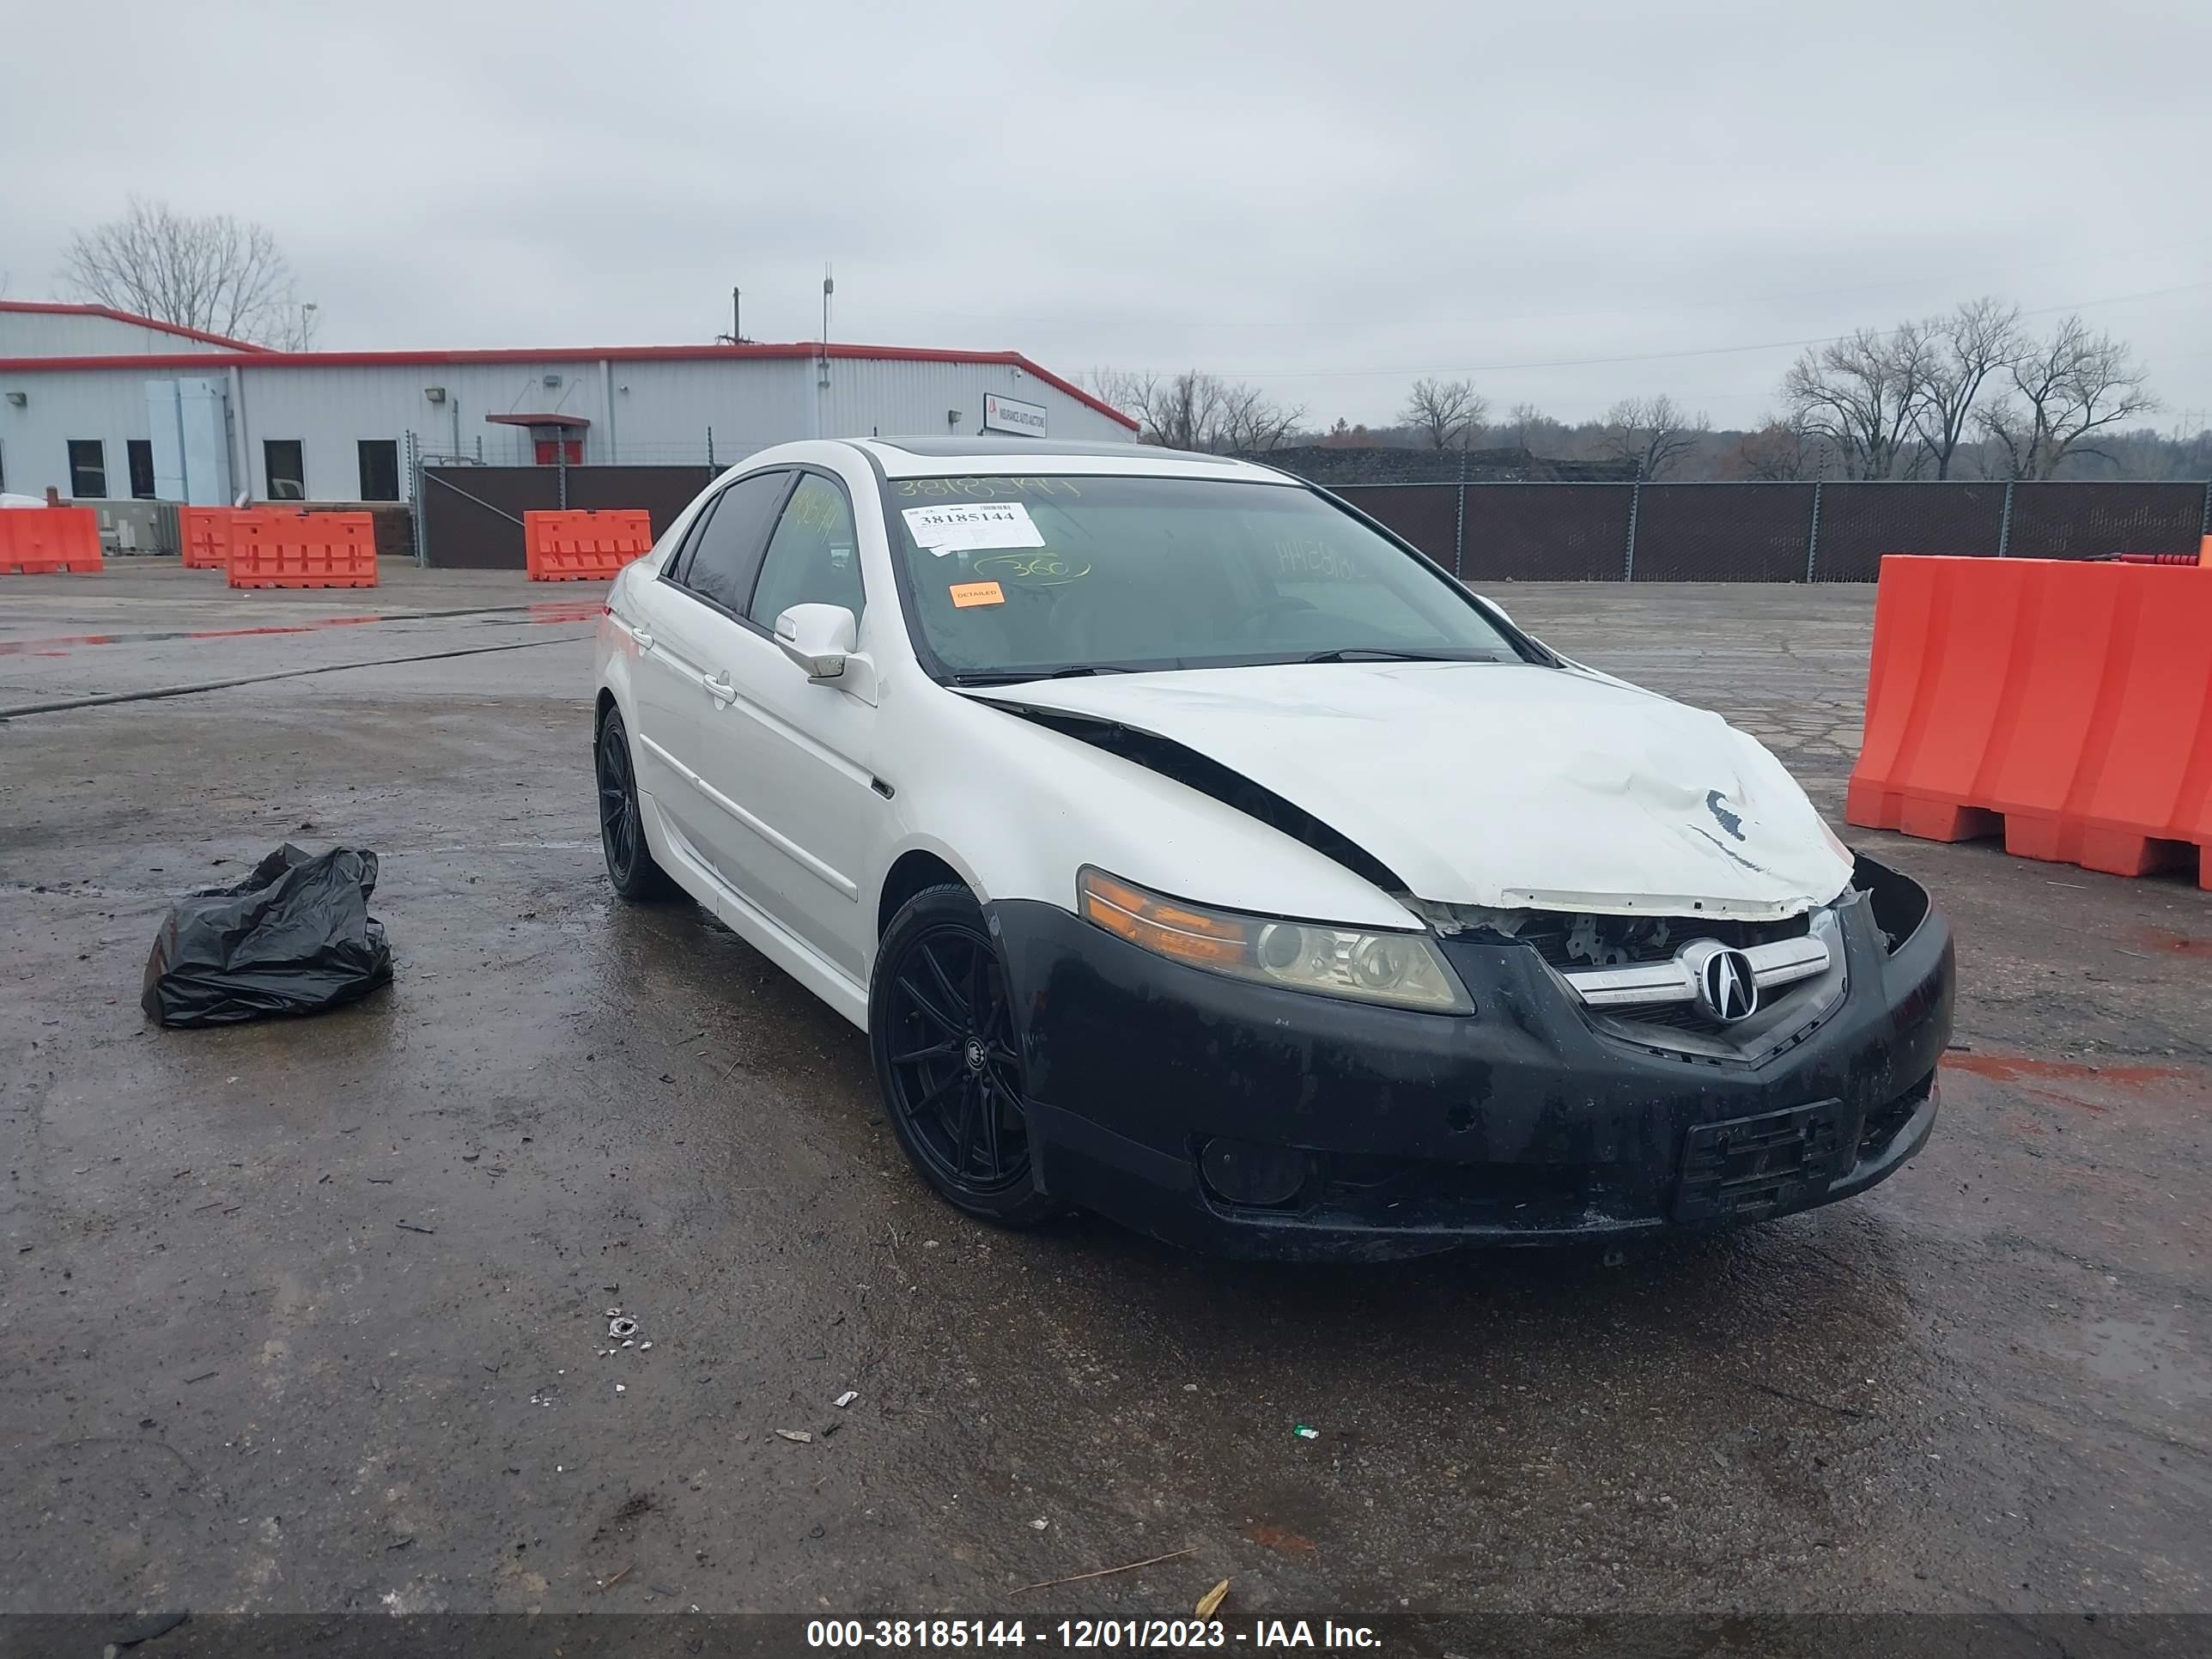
x,y
800,349
59,308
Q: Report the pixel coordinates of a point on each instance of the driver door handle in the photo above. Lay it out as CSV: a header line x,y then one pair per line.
x,y
719,689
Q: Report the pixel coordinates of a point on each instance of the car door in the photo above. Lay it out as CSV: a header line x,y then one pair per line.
x,y
665,697
794,761
701,594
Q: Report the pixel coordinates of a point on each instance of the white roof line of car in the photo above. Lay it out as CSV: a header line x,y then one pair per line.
x,y
1029,459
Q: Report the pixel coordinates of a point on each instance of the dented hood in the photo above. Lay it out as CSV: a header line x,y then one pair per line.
x,y
1510,786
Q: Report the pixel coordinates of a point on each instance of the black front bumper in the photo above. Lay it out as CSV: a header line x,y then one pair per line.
x,y
1525,1123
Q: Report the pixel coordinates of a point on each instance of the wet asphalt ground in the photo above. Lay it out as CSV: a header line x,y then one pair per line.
x,y
311,1315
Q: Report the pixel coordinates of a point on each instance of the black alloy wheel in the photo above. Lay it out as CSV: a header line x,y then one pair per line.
x,y
630,864
941,1027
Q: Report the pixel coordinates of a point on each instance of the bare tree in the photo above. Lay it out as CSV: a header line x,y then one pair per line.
x,y
2062,389
1529,426
1252,423
1979,338
204,271
1197,410
1121,387
1445,413
1861,394
1781,450
1651,434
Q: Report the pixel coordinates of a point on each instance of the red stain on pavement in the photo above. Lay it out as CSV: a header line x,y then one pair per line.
x,y
2018,1068
45,647
568,611
1283,1542
2173,944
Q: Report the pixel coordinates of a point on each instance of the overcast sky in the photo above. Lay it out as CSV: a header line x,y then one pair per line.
x,y
1325,199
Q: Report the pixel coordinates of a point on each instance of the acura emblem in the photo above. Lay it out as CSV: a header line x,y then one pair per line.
x,y
1726,987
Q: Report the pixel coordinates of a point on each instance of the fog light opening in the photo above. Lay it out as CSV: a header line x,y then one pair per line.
x,y
1249,1173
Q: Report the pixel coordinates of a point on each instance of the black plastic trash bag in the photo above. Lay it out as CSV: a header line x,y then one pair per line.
x,y
294,938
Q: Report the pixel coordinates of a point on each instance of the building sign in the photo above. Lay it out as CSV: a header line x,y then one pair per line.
x,y
1012,415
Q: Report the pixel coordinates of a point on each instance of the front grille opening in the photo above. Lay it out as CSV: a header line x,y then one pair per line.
x,y
1883,1123
1899,904
1569,941
1682,1016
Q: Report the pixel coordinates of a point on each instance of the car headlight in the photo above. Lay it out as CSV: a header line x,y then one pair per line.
x,y
1405,970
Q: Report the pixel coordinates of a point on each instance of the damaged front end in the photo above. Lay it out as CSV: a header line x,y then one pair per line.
x,y
1746,1036
1595,1081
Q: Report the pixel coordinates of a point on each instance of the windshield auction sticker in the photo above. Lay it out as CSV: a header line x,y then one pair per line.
x,y
951,525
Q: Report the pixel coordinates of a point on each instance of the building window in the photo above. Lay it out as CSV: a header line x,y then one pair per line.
x,y
379,470
140,453
286,471
87,459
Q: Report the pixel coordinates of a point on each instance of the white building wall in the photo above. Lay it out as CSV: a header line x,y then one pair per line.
x,y
75,334
58,406
664,408
328,410
640,410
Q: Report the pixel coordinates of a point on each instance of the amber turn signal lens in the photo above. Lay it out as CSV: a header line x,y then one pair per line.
x,y
1161,924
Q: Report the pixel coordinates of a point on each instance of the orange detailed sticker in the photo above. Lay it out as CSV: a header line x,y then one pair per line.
x,y
967,594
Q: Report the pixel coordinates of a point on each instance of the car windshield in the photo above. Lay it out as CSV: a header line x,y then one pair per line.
x,y
1019,577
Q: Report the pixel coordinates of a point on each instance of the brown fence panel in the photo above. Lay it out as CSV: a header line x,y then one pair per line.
x,y
662,491
1860,521
472,515
2087,520
1546,533
1427,516
1730,532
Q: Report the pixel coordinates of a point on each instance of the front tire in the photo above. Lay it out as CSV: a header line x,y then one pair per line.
x,y
941,1030
621,827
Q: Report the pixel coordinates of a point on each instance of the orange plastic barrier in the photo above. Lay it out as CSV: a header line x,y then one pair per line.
x,y
2068,705
577,547
2205,553
43,541
205,533
272,547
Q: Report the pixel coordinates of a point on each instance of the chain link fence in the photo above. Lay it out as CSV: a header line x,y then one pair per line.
x,y
468,509
1774,532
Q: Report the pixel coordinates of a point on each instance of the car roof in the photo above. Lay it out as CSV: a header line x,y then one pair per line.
x,y
941,457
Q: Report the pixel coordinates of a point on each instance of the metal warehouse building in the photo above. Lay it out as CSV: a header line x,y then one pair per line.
x,y
107,408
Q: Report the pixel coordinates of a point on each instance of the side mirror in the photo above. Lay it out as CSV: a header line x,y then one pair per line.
x,y
819,638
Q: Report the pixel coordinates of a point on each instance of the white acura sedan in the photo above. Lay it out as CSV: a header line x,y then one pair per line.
x,y
1194,851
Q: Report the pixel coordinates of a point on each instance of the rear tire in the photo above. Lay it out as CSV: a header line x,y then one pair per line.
x,y
621,826
949,1066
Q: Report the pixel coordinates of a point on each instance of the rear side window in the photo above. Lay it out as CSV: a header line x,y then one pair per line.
x,y
725,555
